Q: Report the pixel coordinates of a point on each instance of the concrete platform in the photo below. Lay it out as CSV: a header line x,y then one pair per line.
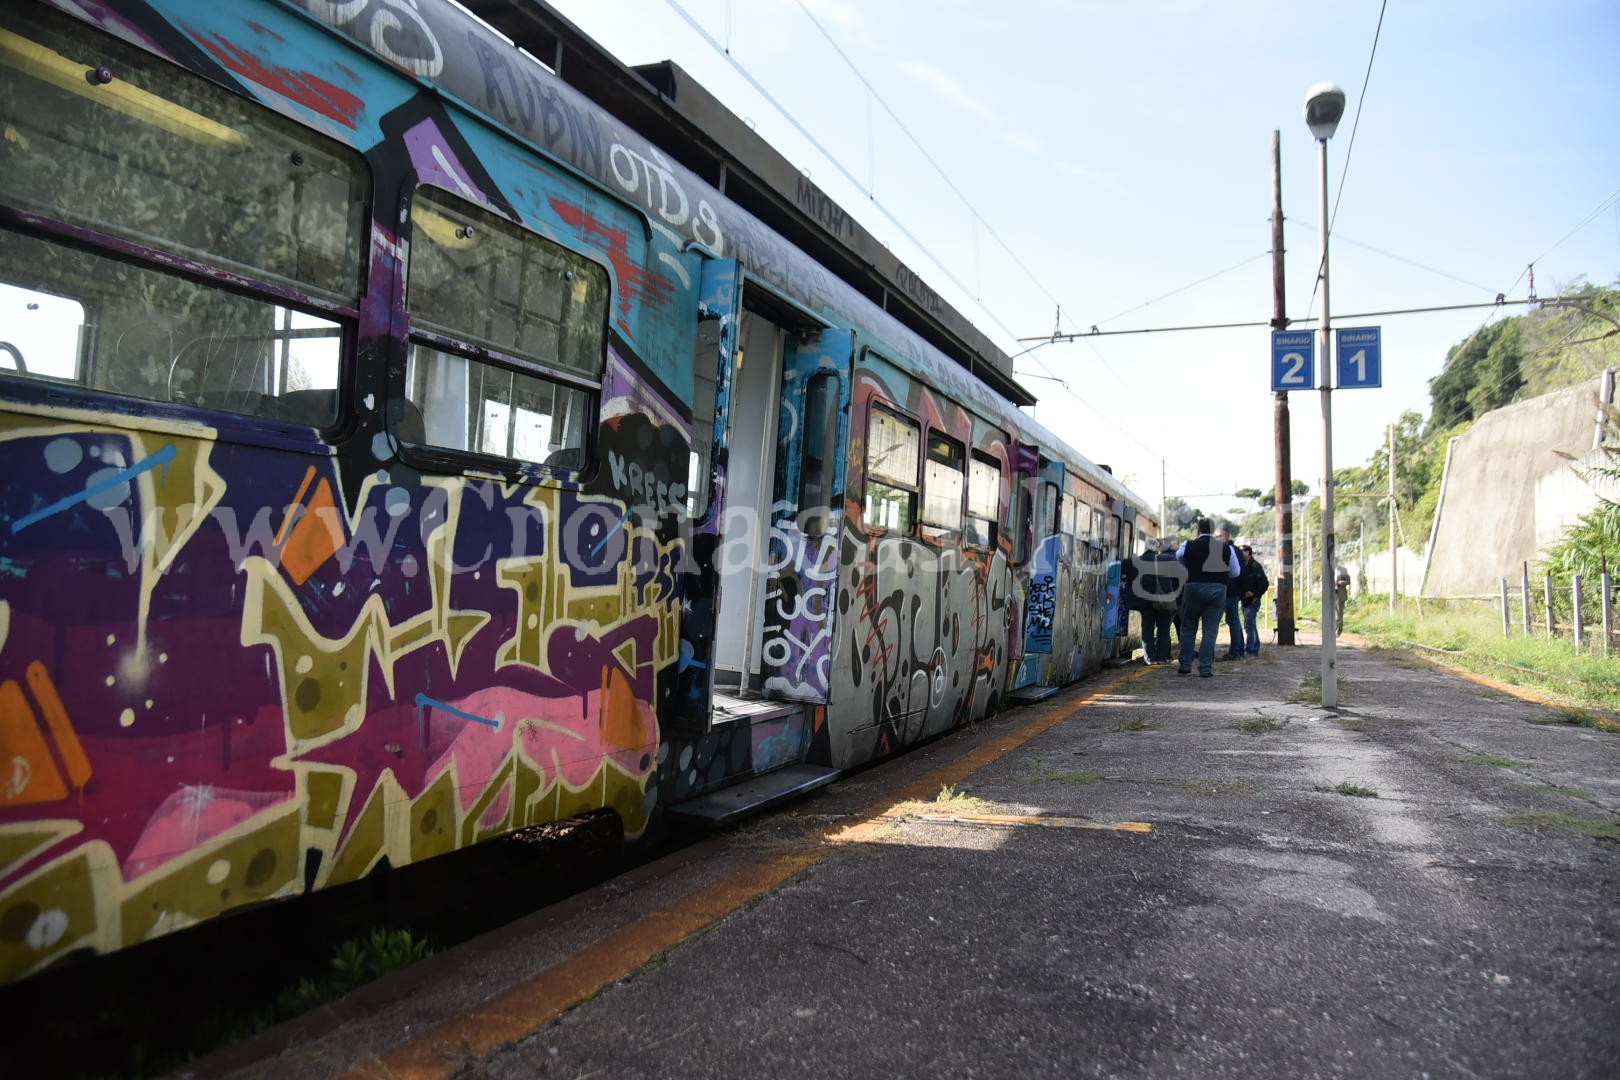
x,y
1147,876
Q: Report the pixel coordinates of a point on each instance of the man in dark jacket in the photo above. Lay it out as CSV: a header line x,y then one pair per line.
x,y
1154,588
1254,584
1209,562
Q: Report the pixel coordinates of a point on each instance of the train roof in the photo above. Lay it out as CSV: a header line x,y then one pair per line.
x,y
674,112
777,234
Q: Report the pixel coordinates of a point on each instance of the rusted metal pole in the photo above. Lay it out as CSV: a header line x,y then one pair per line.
x,y
1580,618
1608,610
1552,623
1284,594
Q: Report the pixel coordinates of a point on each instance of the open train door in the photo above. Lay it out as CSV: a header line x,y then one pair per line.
x,y
714,366
807,516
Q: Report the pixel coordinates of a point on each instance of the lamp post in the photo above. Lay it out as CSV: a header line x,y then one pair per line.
x,y
1324,107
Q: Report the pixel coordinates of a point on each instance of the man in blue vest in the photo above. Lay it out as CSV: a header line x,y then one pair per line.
x,y
1210,563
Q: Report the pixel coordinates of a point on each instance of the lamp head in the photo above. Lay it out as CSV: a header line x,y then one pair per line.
x,y
1324,108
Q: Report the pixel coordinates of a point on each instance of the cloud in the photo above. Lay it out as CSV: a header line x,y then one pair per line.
x,y
949,89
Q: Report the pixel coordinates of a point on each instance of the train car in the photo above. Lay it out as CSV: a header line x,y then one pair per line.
x,y
404,452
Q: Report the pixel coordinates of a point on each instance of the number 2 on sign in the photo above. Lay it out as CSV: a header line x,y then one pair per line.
x,y
1293,373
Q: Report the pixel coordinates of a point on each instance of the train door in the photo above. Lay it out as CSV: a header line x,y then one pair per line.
x,y
807,516
745,520
1021,526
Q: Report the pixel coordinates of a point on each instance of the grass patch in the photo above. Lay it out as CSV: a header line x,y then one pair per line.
x,y
1062,776
1136,723
1310,691
1349,787
1580,718
1492,759
952,799
1601,828
355,963
1263,725
1208,788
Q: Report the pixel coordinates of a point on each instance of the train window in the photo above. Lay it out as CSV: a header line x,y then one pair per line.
x,y
1072,525
477,278
485,408
107,137
943,482
1048,520
74,316
892,444
984,500
820,459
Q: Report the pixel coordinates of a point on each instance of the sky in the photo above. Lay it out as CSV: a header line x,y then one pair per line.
x,y
1063,164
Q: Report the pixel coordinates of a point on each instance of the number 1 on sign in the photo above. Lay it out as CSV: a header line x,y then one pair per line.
x,y
1359,359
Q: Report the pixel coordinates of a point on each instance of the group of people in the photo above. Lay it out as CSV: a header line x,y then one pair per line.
x,y
1192,586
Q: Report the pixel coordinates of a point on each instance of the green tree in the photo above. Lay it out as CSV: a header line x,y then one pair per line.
x,y
1592,544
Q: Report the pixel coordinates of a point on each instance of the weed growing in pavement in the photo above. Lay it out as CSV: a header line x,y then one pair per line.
x,y
1136,723
957,800
1491,759
1262,725
1310,691
1349,787
1579,718
1601,828
1060,776
356,962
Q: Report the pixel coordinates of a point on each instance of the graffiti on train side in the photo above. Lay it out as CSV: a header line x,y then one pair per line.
x,y
1064,613
921,642
449,660
801,590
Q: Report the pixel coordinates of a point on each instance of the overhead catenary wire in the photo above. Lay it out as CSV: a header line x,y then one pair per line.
x,y
836,163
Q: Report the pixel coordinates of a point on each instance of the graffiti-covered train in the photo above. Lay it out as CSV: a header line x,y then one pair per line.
x,y
401,452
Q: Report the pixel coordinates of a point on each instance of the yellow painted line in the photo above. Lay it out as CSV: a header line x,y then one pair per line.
x,y
1045,821
1506,688
516,1013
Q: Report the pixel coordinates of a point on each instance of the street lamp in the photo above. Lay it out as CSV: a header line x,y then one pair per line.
x,y
1324,107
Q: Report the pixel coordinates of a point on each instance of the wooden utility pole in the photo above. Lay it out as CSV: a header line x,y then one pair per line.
x,y
1285,479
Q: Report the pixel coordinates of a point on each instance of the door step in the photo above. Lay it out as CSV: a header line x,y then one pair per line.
x,y
728,707
723,807
1029,695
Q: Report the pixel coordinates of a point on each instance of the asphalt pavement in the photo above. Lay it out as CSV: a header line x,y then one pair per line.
x,y
1151,875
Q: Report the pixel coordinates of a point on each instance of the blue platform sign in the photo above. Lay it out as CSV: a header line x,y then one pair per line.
x,y
1359,363
1293,360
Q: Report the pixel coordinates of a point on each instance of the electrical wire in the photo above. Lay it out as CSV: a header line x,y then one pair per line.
x,y
836,163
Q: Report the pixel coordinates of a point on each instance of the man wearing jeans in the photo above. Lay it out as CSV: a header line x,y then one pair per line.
x,y
1253,587
1209,562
